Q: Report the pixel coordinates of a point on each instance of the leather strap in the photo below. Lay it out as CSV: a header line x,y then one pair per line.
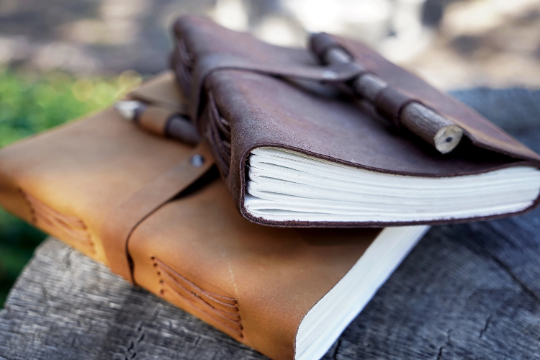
x,y
320,43
211,63
122,220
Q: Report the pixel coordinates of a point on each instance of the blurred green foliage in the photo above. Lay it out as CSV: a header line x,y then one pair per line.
x,y
29,104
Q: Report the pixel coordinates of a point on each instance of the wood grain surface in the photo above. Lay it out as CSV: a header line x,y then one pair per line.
x,y
468,291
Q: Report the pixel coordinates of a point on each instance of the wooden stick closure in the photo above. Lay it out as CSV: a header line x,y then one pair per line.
x,y
159,120
440,132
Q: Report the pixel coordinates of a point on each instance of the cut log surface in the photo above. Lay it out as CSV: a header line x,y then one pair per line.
x,y
467,291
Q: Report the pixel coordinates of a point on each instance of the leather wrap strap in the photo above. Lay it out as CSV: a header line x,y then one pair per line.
x,y
210,63
122,220
320,43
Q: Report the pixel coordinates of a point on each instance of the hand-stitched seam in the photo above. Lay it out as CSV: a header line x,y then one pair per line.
x,y
220,132
230,328
70,226
223,151
222,309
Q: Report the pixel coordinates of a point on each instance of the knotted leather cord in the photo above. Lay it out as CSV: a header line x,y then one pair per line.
x,y
124,219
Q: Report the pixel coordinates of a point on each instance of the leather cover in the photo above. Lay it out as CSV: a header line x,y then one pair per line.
x,y
182,240
245,94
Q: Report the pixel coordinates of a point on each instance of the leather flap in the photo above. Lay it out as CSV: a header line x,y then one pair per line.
x,y
481,131
123,219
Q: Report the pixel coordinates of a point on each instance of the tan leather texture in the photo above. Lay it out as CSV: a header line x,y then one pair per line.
x,y
252,282
123,219
308,117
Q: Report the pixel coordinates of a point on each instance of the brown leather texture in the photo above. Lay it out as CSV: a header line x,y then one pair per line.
x,y
252,282
481,131
267,110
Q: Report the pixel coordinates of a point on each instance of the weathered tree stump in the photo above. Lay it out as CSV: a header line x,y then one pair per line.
x,y
468,291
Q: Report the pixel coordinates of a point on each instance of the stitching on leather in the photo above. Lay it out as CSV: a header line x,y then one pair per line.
x,y
218,129
222,309
70,226
220,143
220,132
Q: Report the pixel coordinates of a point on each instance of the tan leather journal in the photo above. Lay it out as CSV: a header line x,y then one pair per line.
x,y
137,203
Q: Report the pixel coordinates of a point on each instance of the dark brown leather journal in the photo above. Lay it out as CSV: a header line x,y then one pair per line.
x,y
298,148
136,202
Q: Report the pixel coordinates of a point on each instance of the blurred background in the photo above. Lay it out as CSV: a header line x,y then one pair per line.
x,y
60,59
